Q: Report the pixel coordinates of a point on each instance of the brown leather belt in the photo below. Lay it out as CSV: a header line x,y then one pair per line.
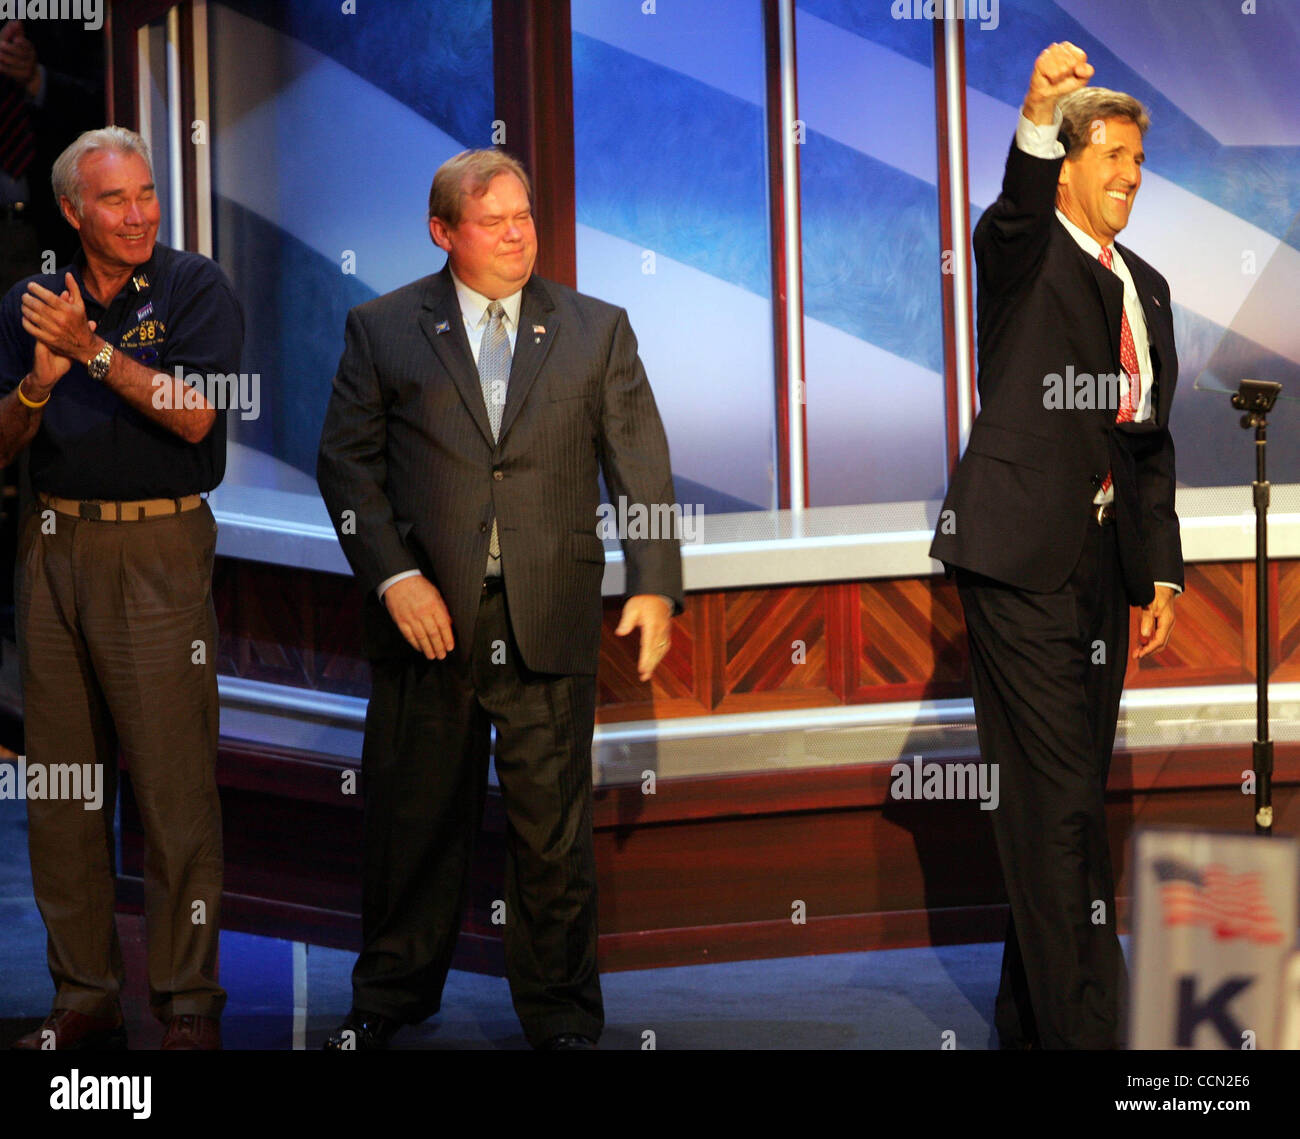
x,y
96,510
1105,514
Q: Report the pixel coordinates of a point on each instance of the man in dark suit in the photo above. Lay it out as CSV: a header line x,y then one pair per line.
x,y
471,414
1060,516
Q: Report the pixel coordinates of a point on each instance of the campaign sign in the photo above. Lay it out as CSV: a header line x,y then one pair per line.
x,y
1214,922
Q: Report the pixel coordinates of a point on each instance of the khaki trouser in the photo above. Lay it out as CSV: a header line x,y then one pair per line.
x,y
109,620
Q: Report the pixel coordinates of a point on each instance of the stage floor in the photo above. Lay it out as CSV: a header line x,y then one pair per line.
x,y
284,995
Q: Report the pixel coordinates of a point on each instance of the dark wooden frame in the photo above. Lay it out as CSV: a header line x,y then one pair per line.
x,y
533,80
124,20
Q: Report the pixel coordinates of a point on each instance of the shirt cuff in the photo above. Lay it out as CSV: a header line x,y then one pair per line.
x,y
1170,585
379,589
1040,141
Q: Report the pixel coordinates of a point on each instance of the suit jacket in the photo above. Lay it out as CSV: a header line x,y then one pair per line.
x,y
407,446
1017,506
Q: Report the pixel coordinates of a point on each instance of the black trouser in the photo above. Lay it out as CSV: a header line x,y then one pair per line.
x,y
424,766
1047,670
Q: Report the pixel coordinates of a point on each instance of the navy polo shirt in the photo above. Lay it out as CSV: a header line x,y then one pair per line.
x,y
176,309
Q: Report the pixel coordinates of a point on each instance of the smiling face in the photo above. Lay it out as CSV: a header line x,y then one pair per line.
x,y
1096,189
120,213
494,245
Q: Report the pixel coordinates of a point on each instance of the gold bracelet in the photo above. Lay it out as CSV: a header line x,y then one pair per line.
x,y
28,403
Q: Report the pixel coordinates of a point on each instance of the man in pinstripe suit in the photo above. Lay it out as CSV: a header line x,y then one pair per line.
x,y
471,413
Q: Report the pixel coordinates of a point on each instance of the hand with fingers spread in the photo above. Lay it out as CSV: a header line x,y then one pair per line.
x,y
1059,70
58,320
417,609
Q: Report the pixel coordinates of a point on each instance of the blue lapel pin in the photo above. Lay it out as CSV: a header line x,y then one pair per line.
x,y
442,326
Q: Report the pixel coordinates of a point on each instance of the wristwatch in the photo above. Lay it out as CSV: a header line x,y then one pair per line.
x,y
98,364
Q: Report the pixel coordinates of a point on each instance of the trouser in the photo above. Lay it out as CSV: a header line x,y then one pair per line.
x,y
1047,670
117,646
424,768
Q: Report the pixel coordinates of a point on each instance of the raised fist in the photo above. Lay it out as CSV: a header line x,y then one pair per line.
x,y
1058,70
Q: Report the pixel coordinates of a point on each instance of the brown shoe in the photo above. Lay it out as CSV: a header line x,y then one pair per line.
x,y
75,1032
192,1034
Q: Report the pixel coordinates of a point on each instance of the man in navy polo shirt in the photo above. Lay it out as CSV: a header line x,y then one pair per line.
x,y
116,628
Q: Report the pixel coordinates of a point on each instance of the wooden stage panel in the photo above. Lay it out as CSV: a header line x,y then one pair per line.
x,y
706,869
759,650
710,868
908,641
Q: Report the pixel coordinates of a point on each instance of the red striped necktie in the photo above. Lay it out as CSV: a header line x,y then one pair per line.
x,y
17,140
1128,359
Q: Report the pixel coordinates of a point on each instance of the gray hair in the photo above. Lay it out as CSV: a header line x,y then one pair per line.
x,y
1082,108
66,175
469,172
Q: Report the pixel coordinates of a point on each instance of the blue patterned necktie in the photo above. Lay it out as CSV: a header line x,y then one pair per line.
x,y
494,377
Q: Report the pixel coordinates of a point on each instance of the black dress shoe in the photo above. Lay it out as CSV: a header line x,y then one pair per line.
x,y
362,1032
568,1042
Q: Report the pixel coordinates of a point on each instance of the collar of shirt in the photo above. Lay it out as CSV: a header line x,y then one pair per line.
x,y
474,306
137,290
1092,247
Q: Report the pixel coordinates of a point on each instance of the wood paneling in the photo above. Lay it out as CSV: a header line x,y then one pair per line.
x,y
292,627
1214,631
909,641
1284,620
706,869
751,650
772,645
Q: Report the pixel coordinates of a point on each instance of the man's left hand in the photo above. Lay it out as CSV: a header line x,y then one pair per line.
x,y
653,614
1157,622
59,322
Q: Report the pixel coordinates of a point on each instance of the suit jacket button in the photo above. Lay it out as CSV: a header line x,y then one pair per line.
x,y
1097,480
498,475
482,527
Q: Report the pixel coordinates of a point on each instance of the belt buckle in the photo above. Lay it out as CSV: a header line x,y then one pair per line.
x,y
90,511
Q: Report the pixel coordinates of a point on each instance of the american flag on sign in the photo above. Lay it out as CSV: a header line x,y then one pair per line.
x,y
1231,905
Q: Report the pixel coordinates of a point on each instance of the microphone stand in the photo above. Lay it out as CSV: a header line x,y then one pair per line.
x,y
1256,399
